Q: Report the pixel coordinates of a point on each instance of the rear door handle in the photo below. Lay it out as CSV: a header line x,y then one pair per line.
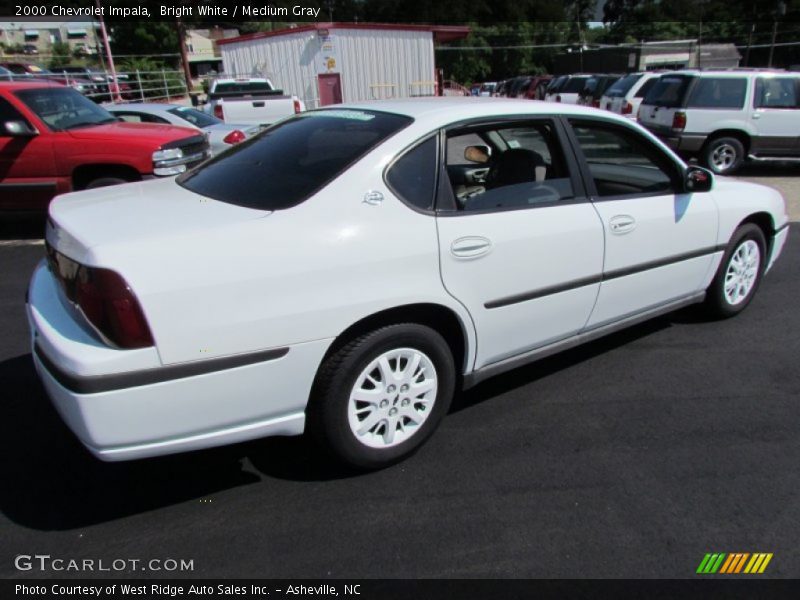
x,y
471,246
621,224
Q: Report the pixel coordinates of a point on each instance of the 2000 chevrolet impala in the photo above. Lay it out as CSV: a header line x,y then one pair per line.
x,y
347,269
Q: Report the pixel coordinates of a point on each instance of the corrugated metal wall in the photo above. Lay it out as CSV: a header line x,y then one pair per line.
x,y
373,63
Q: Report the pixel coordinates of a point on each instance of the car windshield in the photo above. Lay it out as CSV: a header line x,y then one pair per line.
x,y
668,91
623,86
195,117
63,108
293,159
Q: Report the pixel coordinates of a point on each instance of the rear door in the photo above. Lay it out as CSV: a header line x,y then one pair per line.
x,y
27,166
524,251
776,115
659,241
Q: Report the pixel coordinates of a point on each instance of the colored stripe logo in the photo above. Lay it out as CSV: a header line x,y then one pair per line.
x,y
734,563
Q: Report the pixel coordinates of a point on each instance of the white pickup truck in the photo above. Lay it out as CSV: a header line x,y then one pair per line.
x,y
250,101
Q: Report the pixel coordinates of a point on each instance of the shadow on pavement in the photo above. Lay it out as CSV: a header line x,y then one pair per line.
x,y
21,227
50,482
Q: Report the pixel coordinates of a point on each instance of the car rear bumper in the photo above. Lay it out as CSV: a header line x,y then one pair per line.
x,y
122,407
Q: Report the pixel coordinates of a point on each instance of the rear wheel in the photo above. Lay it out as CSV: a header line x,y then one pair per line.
x,y
379,397
723,155
739,274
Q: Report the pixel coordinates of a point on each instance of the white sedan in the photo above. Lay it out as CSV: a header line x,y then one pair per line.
x,y
346,271
221,135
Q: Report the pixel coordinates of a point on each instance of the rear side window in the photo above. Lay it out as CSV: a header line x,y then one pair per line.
x,y
776,92
718,92
413,176
293,159
668,91
622,86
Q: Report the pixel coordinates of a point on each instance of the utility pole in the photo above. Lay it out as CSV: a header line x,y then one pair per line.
x,y
749,43
187,73
779,12
114,86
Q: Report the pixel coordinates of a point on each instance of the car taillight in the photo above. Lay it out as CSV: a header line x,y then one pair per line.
x,y
296,106
218,111
627,108
679,120
596,103
108,303
558,98
234,137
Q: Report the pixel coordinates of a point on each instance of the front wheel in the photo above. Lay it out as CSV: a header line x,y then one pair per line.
x,y
379,397
739,273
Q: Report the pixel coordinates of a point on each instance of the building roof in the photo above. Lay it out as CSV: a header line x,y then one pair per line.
x,y
441,33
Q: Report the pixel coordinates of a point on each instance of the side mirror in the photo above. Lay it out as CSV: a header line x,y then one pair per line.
x,y
478,154
697,179
19,129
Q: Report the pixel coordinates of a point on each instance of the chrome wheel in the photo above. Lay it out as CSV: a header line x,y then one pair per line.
x,y
742,272
723,157
392,397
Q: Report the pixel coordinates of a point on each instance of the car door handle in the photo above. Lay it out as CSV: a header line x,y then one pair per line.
x,y
470,247
757,115
621,224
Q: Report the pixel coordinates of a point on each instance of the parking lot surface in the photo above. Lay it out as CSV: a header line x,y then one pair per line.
x,y
632,456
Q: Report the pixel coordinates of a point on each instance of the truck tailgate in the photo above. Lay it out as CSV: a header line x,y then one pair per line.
x,y
256,111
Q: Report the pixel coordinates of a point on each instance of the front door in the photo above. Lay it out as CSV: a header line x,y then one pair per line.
x,y
521,247
659,241
330,88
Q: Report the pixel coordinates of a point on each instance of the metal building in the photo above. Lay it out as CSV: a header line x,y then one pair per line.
x,y
328,63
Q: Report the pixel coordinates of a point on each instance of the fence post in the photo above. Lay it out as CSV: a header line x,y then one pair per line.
x,y
139,82
166,87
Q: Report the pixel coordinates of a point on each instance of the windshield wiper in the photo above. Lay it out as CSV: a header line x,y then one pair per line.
x,y
90,123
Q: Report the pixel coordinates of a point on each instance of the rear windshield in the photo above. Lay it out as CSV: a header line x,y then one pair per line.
x,y
194,116
574,85
290,161
555,85
243,87
668,91
623,86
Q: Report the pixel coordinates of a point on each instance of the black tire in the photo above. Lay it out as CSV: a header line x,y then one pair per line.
x,y
717,302
723,155
328,409
105,181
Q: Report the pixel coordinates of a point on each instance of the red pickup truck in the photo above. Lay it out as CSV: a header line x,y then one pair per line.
x,y
54,140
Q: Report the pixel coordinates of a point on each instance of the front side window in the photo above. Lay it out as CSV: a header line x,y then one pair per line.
x,y
495,167
623,163
718,92
413,176
293,159
776,92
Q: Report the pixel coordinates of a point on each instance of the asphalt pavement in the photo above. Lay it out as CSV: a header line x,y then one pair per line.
x,y
632,456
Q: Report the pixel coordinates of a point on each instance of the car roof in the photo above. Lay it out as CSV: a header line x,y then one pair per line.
x,y
449,109
26,85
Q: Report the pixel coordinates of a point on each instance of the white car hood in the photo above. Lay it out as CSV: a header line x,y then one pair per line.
x,y
135,212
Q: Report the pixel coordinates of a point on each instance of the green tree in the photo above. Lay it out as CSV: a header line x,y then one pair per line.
x,y
61,55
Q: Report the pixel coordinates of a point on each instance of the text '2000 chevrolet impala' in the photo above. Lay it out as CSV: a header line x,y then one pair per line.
x,y
346,270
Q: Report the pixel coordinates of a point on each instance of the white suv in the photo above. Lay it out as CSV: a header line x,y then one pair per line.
x,y
724,117
625,96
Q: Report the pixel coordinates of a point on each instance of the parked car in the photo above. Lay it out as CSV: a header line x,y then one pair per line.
x,y
5,74
221,135
594,88
487,88
29,70
625,95
54,140
537,87
726,117
253,101
518,85
319,279
101,82
568,90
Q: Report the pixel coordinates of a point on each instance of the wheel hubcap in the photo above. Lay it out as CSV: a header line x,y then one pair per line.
x,y
740,277
723,157
392,397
